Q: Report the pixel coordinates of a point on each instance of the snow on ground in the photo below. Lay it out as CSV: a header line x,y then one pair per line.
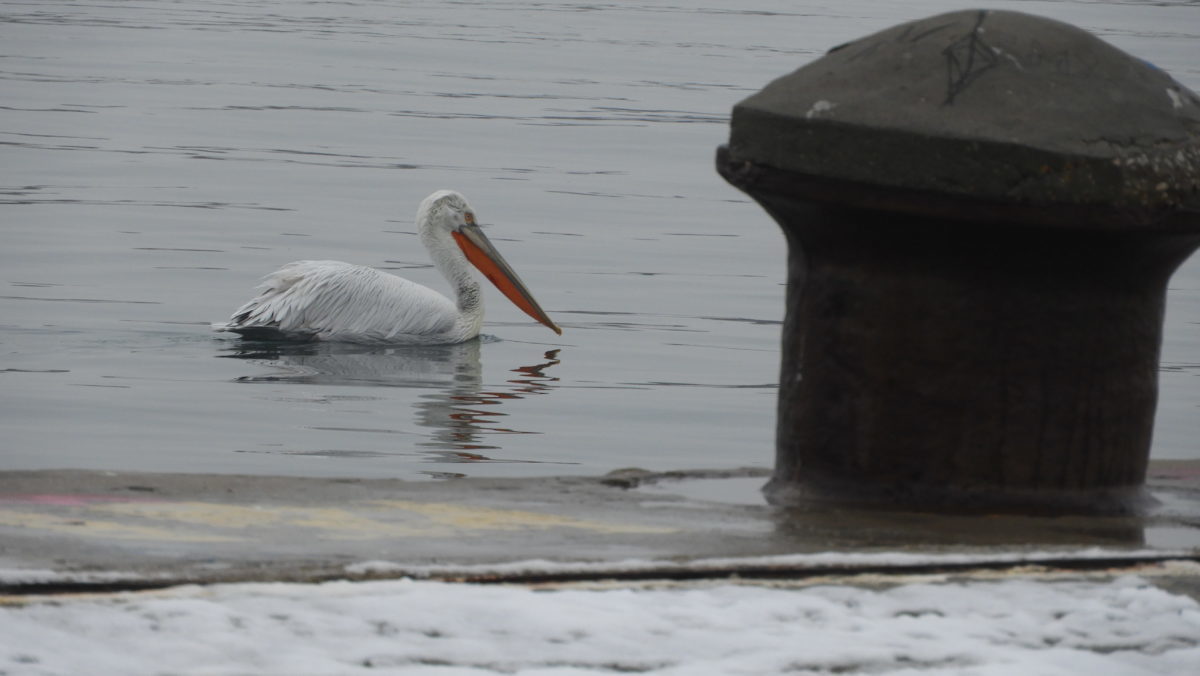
x,y
842,560
1013,626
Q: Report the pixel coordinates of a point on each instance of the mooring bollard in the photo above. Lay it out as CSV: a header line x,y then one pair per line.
x,y
982,209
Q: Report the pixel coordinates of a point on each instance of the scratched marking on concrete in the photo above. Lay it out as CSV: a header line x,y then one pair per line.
x,y
966,59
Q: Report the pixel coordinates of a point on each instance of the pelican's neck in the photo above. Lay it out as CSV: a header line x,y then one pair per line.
x,y
435,220
449,260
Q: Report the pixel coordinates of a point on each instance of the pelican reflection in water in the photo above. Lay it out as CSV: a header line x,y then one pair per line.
x,y
455,405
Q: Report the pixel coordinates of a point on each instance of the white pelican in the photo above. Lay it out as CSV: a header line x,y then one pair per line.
x,y
331,300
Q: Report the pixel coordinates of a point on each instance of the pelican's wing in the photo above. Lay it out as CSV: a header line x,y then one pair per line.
x,y
330,300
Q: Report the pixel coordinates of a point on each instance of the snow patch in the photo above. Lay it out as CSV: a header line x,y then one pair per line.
x,y
19,576
1124,626
1176,99
818,108
848,560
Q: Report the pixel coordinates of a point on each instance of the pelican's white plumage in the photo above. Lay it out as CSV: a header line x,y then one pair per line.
x,y
331,300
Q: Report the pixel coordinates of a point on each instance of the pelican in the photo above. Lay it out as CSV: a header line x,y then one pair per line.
x,y
331,300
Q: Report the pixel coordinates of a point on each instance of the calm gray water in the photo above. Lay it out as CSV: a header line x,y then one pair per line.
x,y
159,157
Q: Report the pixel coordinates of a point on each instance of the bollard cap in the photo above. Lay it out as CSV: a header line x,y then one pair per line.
x,y
995,106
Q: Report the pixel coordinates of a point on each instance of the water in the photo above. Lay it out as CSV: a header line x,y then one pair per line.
x,y
159,157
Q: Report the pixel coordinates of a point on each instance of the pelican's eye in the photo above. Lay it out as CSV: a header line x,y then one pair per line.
x,y
469,218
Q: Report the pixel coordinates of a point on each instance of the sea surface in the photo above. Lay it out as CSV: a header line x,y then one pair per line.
x,y
157,158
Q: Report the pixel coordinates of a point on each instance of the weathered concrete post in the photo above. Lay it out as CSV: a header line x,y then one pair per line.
x,y
983,210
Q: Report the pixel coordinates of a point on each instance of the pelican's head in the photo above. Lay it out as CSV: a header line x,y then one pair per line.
x,y
445,216
440,214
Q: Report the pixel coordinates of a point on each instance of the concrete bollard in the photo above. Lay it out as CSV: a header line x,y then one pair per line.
x,y
983,209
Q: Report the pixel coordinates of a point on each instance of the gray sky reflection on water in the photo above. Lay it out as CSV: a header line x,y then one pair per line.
x,y
160,157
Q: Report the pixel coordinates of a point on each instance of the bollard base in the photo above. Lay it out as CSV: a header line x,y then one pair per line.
x,y
821,489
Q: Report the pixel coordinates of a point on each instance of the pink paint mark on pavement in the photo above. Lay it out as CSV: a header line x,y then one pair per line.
x,y
68,499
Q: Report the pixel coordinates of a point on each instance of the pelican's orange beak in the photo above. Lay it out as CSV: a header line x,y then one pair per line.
x,y
479,250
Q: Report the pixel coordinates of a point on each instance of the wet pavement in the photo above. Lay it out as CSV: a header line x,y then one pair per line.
x,y
83,530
